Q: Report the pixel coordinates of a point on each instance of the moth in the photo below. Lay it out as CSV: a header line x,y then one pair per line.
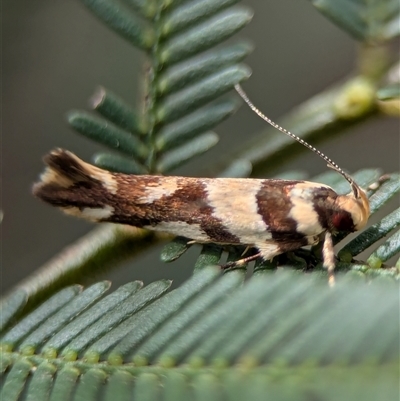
x,y
271,215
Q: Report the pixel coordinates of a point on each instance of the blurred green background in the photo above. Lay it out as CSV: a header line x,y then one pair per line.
x,y
56,52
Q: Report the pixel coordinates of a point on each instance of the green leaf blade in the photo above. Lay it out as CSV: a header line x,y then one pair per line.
x,y
180,155
345,14
16,380
385,192
113,108
40,315
206,387
11,306
188,127
199,67
190,313
65,383
120,386
209,256
190,13
370,236
175,386
83,321
174,249
363,178
118,164
146,8
204,36
197,95
120,19
119,313
162,310
256,320
5,362
90,385
186,343
42,382
367,21
108,134
70,310
390,248
147,387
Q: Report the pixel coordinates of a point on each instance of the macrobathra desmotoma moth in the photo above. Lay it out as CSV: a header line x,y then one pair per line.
x,y
272,215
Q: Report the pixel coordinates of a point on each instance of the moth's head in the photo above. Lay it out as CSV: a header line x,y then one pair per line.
x,y
352,210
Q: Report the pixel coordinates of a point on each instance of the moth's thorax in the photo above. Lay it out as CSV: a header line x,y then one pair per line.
x,y
353,213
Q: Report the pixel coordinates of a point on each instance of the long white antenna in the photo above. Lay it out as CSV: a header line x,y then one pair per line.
x,y
331,163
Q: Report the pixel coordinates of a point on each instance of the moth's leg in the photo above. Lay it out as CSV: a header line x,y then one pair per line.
x,y
241,262
329,258
246,250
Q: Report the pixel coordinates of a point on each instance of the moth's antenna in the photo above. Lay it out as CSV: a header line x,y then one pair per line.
x,y
331,163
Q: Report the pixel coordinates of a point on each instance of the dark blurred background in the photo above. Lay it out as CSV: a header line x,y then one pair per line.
x,y
56,52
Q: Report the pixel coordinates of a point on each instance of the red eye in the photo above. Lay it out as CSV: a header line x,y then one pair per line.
x,y
342,221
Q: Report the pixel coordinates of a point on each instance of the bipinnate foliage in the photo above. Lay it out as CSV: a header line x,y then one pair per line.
x,y
275,336
182,90
281,335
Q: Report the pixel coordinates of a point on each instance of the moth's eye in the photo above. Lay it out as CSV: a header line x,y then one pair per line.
x,y
343,221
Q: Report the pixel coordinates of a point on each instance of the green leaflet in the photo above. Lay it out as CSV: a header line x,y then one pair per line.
x,y
88,317
124,22
69,311
190,13
368,21
387,250
190,126
370,236
195,96
188,151
174,249
205,35
199,67
116,110
108,134
120,164
40,315
11,306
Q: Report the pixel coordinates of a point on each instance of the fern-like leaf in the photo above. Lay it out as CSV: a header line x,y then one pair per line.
x,y
276,336
180,102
